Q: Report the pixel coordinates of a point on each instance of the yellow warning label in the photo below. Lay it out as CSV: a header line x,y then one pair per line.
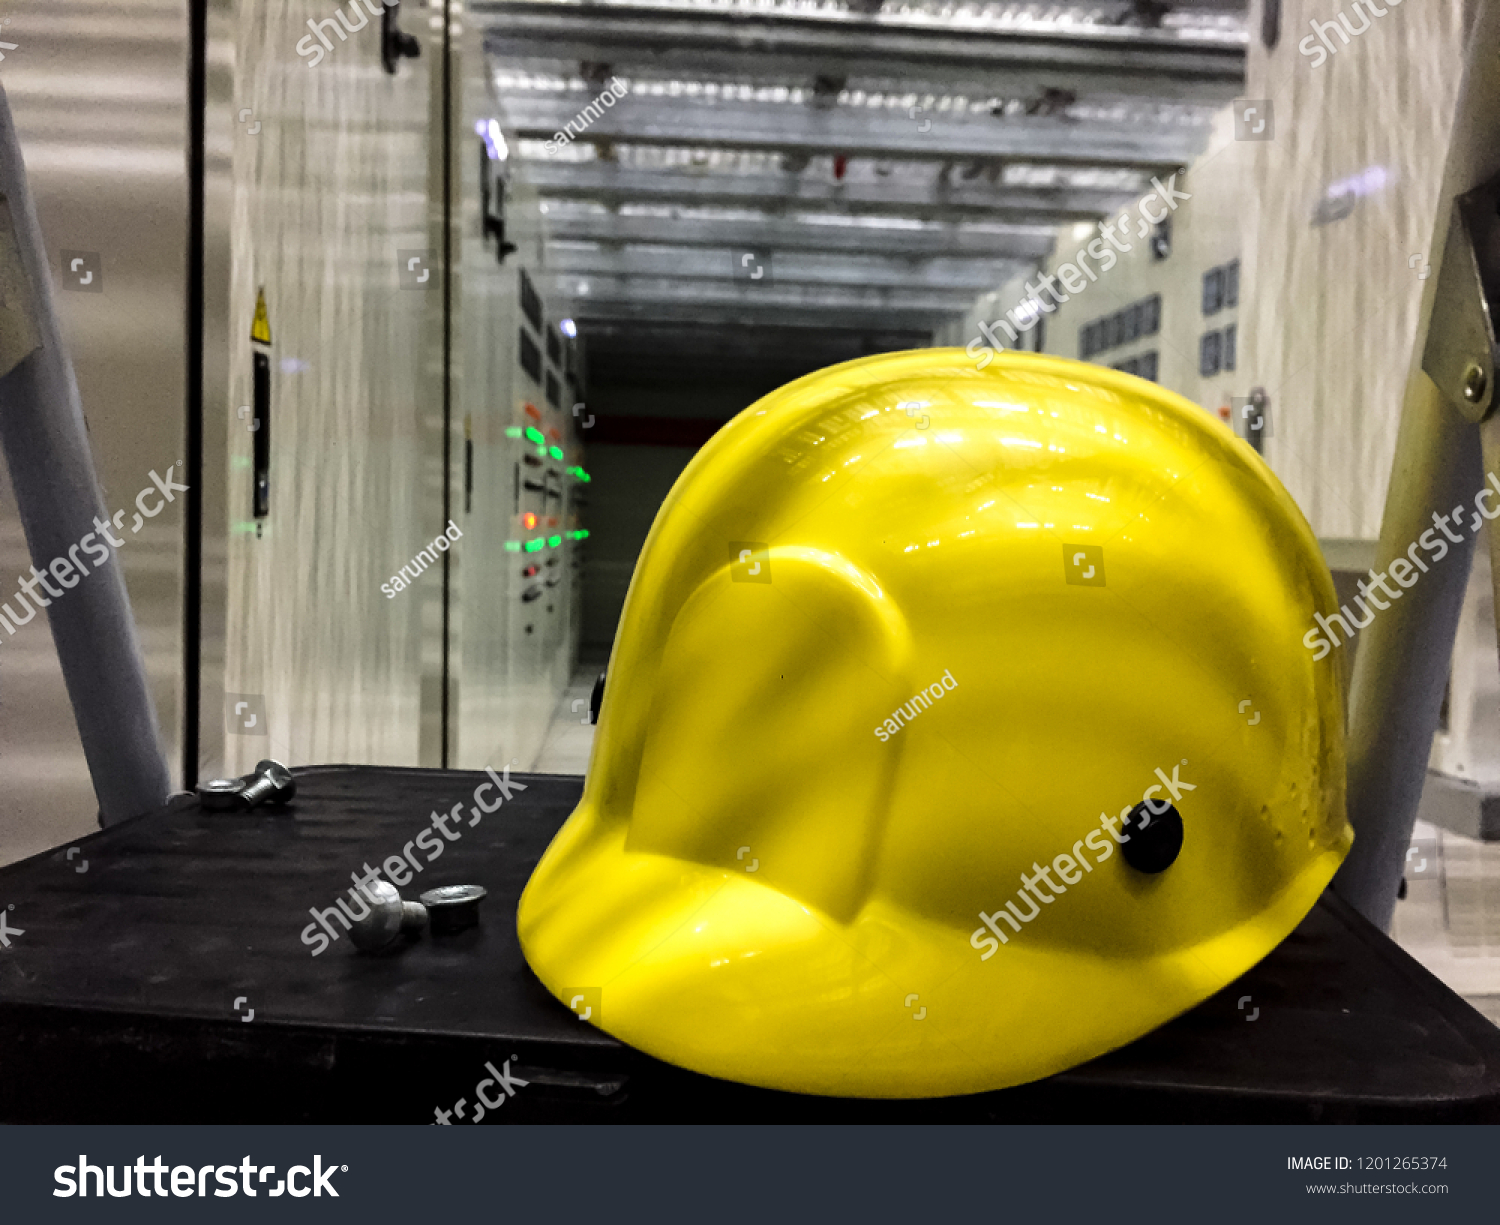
x,y
260,330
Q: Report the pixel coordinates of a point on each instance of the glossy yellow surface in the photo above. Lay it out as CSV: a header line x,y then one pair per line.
x,y
762,889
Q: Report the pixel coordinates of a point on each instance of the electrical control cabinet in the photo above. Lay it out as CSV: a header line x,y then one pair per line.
x,y
517,598
402,549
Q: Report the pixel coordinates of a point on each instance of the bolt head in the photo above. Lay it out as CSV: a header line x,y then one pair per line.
x,y
283,785
383,923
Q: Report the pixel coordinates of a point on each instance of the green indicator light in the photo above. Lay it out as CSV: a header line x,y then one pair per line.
x,y
542,451
553,541
512,546
535,546
581,534
535,435
555,452
584,476
513,431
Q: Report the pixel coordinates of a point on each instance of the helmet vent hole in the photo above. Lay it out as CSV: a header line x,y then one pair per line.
x,y
1155,837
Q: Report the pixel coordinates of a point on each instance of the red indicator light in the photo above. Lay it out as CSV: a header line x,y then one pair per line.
x,y
528,521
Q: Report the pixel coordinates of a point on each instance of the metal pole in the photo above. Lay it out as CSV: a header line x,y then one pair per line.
x,y
1404,657
52,471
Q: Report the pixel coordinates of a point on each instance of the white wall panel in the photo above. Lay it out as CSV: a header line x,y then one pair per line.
x,y
338,180
1205,234
1332,308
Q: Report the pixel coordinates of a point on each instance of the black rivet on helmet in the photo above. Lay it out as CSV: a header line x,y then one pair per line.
x,y
1155,831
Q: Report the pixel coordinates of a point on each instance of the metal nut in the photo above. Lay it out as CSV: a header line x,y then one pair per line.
x,y
220,795
452,908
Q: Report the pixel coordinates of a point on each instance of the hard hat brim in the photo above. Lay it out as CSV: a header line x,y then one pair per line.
x,y
711,970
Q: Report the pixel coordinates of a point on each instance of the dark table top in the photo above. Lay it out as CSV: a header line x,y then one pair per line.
x,y
133,966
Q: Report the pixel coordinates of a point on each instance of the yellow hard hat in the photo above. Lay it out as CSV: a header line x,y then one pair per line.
x,y
959,729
